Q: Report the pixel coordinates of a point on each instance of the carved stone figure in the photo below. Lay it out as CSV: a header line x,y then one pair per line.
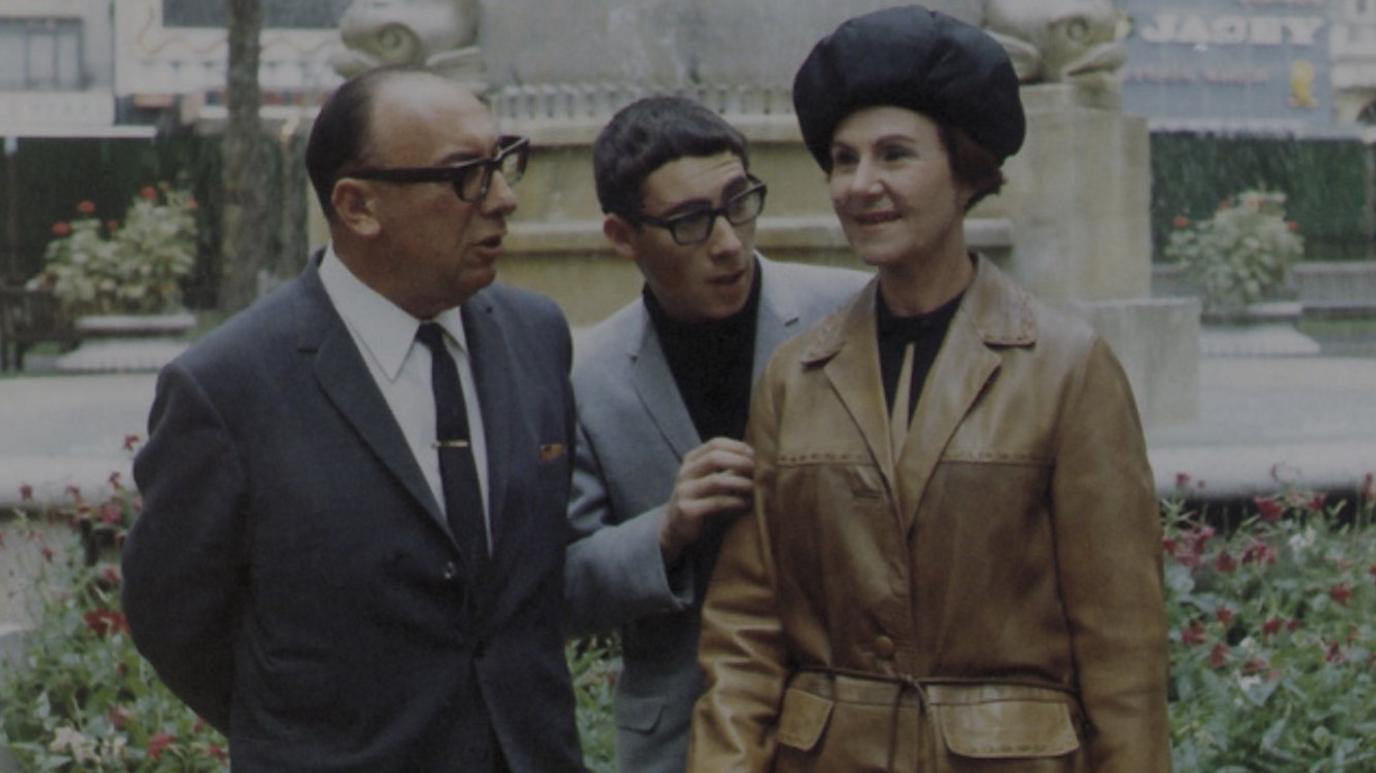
x,y
440,34
1058,40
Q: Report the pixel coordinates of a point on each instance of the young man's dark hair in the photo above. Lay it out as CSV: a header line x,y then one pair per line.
x,y
648,134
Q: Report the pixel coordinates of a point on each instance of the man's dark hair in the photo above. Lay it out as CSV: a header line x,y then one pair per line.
x,y
341,138
652,132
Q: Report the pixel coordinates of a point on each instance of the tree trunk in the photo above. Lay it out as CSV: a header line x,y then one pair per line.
x,y
247,245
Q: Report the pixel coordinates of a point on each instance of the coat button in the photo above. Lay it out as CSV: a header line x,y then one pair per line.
x,y
883,647
450,570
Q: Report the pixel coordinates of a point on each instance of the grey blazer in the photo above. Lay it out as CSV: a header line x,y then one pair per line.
x,y
633,431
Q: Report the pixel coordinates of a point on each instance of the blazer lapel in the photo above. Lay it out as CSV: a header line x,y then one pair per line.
x,y
653,380
345,380
777,319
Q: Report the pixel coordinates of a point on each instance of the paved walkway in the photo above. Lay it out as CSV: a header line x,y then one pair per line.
x,y
1263,421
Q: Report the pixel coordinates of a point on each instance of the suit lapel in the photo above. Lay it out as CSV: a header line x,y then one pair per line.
x,y
346,382
492,371
653,380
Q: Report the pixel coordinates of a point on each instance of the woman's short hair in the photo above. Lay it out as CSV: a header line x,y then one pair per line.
x,y
971,163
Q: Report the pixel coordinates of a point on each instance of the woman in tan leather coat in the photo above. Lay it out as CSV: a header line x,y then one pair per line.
x,y
977,587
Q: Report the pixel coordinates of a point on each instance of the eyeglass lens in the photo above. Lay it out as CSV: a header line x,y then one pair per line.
x,y
473,184
697,226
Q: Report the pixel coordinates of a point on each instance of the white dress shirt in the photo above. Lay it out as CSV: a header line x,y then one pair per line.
x,y
386,337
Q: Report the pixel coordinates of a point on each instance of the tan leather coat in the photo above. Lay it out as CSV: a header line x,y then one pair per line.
x,y
991,596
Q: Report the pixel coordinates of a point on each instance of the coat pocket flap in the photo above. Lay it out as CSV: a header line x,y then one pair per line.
x,y
1007,728
803,718
638,712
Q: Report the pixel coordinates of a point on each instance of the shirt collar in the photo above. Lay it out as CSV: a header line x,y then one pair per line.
x,y
384,330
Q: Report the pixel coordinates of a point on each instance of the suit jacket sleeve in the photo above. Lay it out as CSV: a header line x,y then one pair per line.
x,y
741,650
614,572
1108,555
181,562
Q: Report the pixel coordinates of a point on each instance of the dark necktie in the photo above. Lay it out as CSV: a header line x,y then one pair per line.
x,y
463,502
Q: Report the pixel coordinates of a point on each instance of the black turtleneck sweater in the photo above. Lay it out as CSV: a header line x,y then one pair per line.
x,y
925,331
711,362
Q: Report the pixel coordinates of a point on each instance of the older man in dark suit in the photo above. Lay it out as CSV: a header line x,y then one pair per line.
x,y
351,550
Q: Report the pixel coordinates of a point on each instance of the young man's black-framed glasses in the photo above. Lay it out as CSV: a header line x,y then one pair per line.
x,y
471,179
696,226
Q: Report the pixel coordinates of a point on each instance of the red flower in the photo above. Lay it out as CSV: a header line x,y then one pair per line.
x,y
1316,503
114,481
1225,563
1271,626
131,442
61,228
1182,479
1168,545
1190,560
217,752
112,225
1258,552
1218,656
110,575
1201,537
161,740
1340,593
86,207
1334,654
1224,615
118,716
1180,221
25,492
1292,225
1270,509
1371,570
1192,634
149,193
104,622
111,514
1255,665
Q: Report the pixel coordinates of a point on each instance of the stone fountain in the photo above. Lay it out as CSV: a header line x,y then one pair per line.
x,y
1072,225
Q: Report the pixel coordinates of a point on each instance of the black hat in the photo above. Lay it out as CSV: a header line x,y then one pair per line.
x,y
916,58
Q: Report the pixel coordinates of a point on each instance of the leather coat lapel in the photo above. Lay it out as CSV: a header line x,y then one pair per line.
x,y
653,380
345,380
962,367
853,370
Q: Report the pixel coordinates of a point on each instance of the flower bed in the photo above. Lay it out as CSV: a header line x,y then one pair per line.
x,y
1272,631
1272,636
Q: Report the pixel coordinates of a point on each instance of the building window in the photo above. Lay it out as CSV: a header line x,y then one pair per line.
x,y
41,55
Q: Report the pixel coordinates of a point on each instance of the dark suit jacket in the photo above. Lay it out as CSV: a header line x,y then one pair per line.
x,y
290,578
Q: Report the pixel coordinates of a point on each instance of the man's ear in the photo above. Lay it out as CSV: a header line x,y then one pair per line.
x,y
355,206
621,233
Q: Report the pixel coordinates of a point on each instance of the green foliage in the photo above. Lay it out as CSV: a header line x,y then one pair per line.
x,y
1272,631
134,267
1330,183
595,664
1242,253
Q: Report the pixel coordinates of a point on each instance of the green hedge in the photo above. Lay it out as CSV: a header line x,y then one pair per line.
x,y
1328,184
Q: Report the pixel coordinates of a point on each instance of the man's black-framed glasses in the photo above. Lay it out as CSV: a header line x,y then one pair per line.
x,y
471,179
694,227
